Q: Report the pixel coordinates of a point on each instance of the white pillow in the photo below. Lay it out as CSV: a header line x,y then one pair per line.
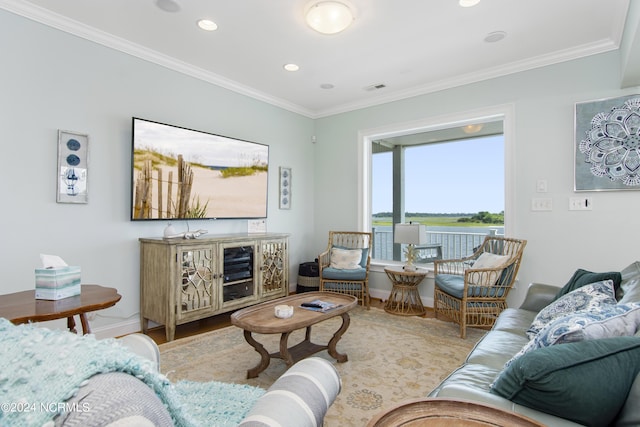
x,y
346,259
487,260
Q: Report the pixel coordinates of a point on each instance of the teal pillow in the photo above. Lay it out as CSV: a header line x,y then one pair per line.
x,y
586,382
583,277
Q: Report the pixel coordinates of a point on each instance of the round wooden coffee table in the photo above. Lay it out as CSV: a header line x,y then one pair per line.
x,y
439,412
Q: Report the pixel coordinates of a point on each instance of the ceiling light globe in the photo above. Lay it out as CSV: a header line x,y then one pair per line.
x,y
329,17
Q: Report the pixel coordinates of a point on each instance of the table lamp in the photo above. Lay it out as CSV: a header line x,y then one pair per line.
x,y
410,234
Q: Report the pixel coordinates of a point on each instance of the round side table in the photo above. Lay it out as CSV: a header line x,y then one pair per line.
x,y
405,299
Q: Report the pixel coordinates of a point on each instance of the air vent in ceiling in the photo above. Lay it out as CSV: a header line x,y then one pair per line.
x,y
375,87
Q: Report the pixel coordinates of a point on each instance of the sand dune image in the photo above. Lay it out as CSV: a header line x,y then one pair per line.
x,y
232,197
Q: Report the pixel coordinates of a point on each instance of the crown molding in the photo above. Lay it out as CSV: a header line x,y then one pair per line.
x,y
477,76
79,29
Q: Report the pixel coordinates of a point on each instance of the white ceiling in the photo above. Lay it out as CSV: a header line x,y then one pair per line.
x,y
411,46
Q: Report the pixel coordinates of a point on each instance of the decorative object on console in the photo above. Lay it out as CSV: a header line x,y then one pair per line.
x,y
285,188
607,149
171,233
411,234
73,166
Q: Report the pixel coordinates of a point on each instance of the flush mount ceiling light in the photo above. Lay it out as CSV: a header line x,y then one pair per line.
x,y
468,3
329,17
207,25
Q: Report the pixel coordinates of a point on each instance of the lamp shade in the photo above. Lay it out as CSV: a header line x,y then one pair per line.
x,y
413,234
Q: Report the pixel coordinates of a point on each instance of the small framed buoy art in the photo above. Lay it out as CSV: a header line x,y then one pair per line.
x,y
285,188
73,167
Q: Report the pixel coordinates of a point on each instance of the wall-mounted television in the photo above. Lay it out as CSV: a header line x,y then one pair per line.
x,y
180,173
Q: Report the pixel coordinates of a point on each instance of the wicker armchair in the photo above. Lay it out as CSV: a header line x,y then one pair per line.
x,y
354,280
472,291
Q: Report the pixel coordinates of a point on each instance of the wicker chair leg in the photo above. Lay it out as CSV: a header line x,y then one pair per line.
x,y
463,321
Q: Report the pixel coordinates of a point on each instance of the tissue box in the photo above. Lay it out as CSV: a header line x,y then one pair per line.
x,y
57,283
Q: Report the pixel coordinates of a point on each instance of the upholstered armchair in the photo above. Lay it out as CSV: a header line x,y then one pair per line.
x,y
472,291
344,266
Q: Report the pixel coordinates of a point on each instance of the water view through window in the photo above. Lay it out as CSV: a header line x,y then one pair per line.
x,y
455,187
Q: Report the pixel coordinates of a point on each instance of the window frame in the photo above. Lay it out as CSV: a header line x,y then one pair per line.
x,y
365,137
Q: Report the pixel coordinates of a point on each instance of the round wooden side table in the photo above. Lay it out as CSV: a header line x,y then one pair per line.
x,y
439,412
404,298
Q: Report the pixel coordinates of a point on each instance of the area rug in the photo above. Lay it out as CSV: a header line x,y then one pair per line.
x,y
391,359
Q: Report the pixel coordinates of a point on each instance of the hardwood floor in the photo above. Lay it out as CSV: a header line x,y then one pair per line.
x,y
223,320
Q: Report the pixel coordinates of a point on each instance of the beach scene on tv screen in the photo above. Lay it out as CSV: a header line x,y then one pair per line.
x,y
183,173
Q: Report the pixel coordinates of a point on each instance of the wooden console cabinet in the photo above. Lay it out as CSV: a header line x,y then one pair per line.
x,y
186,280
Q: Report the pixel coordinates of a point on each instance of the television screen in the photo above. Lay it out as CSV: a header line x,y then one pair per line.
x,y
188,174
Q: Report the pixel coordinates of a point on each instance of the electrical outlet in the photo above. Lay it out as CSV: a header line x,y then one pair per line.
x,y
580,204
542,204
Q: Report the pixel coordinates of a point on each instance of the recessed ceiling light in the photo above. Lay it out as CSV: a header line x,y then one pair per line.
x,y
168,5
207,25
495,36
291,67
468,3
326,86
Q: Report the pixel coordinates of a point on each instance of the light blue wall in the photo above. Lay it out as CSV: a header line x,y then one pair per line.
x,y
543,99
52,80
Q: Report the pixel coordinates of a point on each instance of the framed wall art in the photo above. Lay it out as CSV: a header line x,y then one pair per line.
x,y
73,167
285,188
607,144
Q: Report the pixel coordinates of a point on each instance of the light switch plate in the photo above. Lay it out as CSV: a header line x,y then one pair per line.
x,y
542,204
580,204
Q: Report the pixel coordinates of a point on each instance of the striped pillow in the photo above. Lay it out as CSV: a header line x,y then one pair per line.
x,y
299,398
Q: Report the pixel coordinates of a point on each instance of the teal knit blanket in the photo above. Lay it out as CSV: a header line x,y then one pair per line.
x,y
40,369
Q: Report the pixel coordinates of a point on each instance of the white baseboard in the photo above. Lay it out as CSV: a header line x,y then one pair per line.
x,y
117,329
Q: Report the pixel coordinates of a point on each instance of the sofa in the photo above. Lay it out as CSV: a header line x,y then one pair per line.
x,y
56,378
568,356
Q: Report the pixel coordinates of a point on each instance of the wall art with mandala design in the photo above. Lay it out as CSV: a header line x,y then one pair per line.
x,y
73,167
607,144
285,188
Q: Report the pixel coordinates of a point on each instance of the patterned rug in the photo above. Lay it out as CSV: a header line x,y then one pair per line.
x,y
391,359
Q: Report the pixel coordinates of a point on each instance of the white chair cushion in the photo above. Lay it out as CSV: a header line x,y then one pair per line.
x,y
488,260
345,259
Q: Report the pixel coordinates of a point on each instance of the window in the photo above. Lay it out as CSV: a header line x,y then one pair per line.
x,y
438,169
